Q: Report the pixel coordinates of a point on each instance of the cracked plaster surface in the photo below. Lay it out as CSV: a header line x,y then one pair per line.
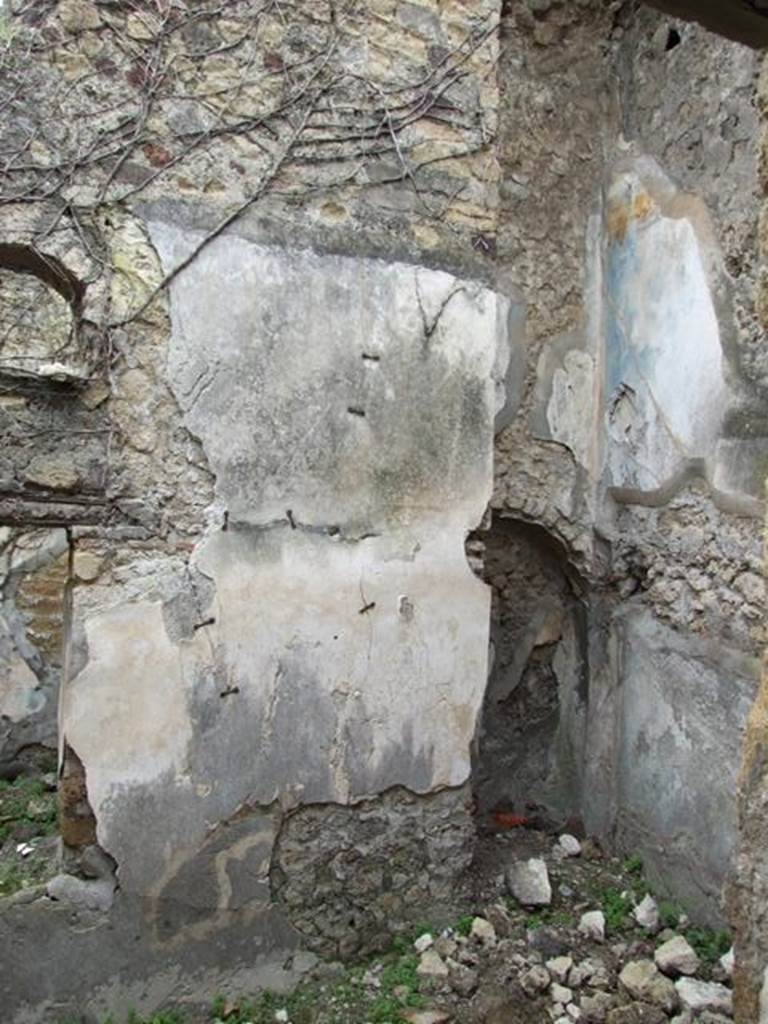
x,y
346,409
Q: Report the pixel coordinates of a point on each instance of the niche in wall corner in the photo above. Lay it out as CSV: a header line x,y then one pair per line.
x,y
527,748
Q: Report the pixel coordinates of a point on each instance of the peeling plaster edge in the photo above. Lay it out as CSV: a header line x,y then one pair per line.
x,y
695,469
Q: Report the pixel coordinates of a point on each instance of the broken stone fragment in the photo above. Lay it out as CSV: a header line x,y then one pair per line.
x,y
535,981
727,963
483,931
592,924
704,995
594,1008
528,881
676,957
95,863
88,895
559,967
499,917
432,965
642,980
422,944
86,566
646,913
569,845
637,1013
444,945
57,472
414,1016
587,970
560,994
79,15
463,980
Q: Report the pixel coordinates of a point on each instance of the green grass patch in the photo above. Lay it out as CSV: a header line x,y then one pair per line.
x,y
633,865
617,907
669,913
26,801
345,1000
710,945
553,916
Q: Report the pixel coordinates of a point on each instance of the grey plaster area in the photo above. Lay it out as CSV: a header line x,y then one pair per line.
x,y
663,749
29,670
101,963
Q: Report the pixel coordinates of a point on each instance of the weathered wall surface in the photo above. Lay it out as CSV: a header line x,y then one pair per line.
x,y
269,286
333,575
748,895
293,345
640,444
35,574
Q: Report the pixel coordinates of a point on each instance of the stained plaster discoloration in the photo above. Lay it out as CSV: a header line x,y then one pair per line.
x,y
665,386
346,410
673,688
376,378
644,396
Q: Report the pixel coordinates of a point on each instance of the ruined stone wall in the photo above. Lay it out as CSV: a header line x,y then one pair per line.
x,y
271,278
628,222
749,889
284,352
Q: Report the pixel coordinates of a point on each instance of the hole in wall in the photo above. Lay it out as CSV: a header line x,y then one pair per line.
x,y
522,770
40,306
44,802
673,39
34,570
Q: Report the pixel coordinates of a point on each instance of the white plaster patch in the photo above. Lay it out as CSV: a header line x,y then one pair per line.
x,y
569,412
125,714
764,998
346,389
389,699
665,391
684,706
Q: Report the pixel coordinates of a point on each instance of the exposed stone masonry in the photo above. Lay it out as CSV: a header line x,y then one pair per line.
x,y
295,298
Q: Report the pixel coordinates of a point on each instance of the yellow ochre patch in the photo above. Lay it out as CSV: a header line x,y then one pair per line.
x,y
621,212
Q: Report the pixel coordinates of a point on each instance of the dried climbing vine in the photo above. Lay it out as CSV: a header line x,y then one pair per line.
x,y
111,103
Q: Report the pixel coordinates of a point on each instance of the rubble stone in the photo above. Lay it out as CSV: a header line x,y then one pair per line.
x,y
528,881
592,924
700,995
645,983
676,956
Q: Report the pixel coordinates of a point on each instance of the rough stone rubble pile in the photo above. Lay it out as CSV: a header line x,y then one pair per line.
x,y
507,966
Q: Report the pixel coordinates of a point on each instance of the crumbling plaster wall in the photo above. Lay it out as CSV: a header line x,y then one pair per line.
x,y
315,268
748,895
299,356
640,442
